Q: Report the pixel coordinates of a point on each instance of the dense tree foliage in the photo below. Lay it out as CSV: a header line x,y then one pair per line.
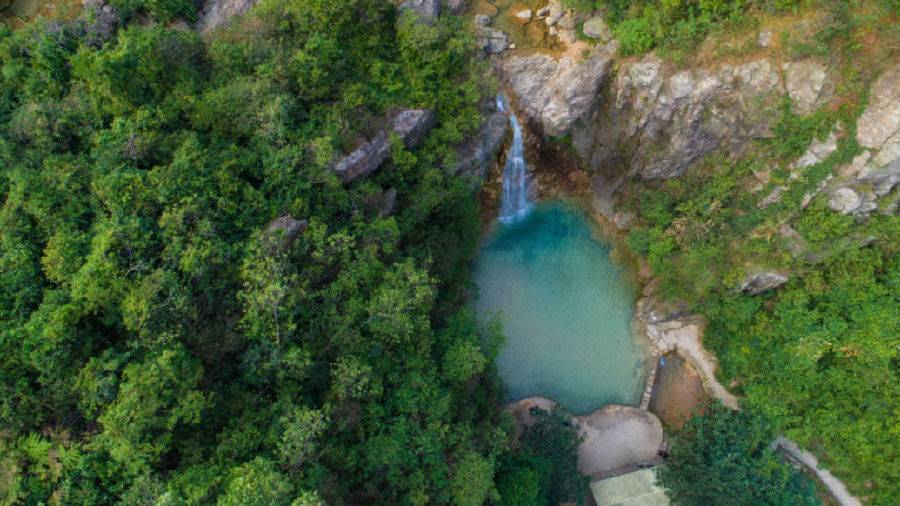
x,y
543,471
155,347
724,457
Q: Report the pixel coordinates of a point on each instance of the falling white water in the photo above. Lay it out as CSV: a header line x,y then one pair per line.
x,y
514,202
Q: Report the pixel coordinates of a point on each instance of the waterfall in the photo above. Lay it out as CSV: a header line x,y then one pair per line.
x,y
514,202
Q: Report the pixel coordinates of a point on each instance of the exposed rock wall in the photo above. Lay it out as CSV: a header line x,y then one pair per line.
x,y
556,92
659,122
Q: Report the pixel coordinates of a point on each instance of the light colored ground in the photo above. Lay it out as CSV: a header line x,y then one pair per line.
x,y
632,489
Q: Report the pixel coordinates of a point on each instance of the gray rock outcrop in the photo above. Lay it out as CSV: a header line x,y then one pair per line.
x,y
283,231
216,13
760,282
878,130
808,84
846,200
102,21
553,92
491,40
410,125
665,122
426,10
456,7
477,153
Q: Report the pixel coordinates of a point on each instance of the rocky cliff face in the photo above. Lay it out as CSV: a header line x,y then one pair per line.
x,y
658,122
652,121
556,92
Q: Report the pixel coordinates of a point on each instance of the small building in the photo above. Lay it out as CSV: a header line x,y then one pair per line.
x,y
637,488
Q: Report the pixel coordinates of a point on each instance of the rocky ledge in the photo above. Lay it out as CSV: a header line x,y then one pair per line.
x,y
617,438
411,126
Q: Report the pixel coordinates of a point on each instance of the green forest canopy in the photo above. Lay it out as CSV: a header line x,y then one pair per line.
x,y
153,346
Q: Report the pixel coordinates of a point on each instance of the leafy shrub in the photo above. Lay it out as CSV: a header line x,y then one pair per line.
x,y
635,35
160,10
723,457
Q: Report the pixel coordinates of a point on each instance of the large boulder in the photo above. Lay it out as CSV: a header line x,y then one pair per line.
x,y
615,436
759,282
216,13
410,125
556,92
283,231
878,130
846,200
426,10
808,84
491,40
618,437
596,28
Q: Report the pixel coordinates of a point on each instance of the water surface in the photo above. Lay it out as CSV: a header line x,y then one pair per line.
x,y
566,310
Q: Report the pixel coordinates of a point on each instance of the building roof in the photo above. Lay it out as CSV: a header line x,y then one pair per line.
x,y
633,489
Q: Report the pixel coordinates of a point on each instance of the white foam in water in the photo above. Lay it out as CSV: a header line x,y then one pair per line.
x,y
514,201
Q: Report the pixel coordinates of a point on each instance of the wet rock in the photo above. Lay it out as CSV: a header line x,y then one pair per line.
x,y
809,85
216,13
411,126
556,92
623,221
283,231
596,28
756,283
477,154
426,10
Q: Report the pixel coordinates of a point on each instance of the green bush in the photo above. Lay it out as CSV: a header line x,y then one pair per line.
x,y
635,36
723,457
160,10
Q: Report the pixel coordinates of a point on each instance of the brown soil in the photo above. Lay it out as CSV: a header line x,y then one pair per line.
x,y
678,391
